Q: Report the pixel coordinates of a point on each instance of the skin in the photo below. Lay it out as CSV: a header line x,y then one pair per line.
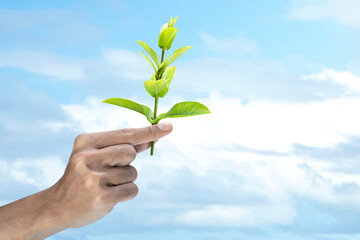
x,y
97,177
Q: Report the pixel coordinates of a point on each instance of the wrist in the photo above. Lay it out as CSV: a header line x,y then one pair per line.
x,y
33,217
48,220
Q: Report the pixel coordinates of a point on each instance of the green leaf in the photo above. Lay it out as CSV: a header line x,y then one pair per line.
x,y
166,38
125,103
152,64
151,52
165,26
169,73
153,77
184,109
175,55
172,22
156,87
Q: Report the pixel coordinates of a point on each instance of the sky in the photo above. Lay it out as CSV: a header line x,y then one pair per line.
x,y
278,157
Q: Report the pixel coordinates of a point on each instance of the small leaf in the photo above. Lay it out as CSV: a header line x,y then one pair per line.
x,y
152,64
166,25
175,55
156,87
184,109
169,73
153,77
166,38
151,52
172,22
125,103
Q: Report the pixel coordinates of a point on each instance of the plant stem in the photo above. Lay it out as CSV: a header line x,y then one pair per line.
x,y
162,55
155,112
155,107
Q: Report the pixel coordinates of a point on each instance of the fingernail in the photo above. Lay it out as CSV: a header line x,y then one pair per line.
x,y
165,126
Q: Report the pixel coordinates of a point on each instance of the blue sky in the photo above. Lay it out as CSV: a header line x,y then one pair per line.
x,y
278,157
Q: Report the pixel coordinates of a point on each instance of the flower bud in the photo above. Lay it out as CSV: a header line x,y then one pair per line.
x,y
167,34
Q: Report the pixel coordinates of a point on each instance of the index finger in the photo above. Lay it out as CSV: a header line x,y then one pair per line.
x,y
133,136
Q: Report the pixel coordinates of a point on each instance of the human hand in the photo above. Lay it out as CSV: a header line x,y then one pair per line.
x,y
97,177
98,174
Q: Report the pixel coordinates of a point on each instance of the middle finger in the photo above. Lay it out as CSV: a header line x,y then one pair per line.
x,y
113,156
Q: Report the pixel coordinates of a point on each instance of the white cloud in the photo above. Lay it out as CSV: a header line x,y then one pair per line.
x,y
44,63
236,45
127,63
249,79
58,25
116,62
272,126
345,12
39,172
245,183
94,116
351,81
23,19
261,125
239,216
224,153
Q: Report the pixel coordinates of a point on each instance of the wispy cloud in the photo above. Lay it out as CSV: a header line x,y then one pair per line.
x,y
122,63
24,176
239,216
44,63
345,12
95,121
251,79
55,25
126,64
235,45
347,79
40,172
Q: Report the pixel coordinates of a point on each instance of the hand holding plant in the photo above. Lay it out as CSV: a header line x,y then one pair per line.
x,y
159,83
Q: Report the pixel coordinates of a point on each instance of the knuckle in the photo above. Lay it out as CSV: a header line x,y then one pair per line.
x,y
83,160
90,181
152,131
81,157
79,139
100,199
82,140
128,134
78,165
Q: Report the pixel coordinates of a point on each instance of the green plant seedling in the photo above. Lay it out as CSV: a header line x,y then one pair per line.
x,y
159,82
